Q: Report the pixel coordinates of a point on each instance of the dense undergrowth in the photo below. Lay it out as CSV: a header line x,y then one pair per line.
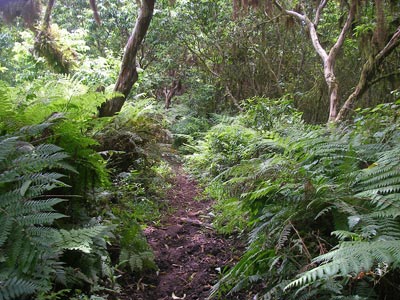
x,y
320,205
75,190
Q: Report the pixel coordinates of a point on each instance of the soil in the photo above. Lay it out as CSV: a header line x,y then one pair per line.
x,y
188,251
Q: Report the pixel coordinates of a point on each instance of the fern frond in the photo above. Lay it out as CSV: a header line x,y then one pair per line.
x,y
41,205
48,160
6,224
351,258
7,148
392,212
33,130
284,236
14,288
80,239
343,235
39,218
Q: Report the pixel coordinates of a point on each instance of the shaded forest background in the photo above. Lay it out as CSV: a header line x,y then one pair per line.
x,y
285,111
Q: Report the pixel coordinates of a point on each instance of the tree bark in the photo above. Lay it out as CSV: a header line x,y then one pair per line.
x,y
328,59
380,31
236,8
368,72
96,16
169,93
234,100
47,15
128,74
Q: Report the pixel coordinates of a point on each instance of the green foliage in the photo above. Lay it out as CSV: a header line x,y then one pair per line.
x,y
287,184
72,107
265,114
223,146
302,184
6,106
135,252
31,246
138,198
134,135
374,233
186,130
132,143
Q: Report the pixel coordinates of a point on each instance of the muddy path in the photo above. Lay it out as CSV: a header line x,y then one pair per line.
x,y
188,251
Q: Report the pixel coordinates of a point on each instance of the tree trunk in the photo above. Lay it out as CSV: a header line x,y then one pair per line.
x,y
333,88
128,74
328,59
169,93
236,8
96,16
368,72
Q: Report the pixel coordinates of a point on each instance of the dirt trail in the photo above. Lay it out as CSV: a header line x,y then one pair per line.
x,y
188,251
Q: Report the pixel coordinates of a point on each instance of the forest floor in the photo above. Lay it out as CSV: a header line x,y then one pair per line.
x,y
189,253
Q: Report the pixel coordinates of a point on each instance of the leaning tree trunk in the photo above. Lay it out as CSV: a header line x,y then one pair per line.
x,y
368,72
128,74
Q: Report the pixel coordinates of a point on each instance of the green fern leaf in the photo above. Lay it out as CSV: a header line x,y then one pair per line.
x,y
351,258
14,288
80,239
39,218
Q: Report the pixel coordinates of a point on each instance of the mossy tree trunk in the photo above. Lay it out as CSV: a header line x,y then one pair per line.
x,y
368,72
46,46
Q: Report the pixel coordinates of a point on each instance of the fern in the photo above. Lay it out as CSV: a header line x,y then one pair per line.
x,y
376,239
30,248
351,258
14,288
305,183
23,177
79,239
6,106
135,252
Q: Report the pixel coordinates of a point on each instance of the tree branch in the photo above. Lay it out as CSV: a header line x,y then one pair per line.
x,y
295,14
367,73
234,100
385,76
96,16
347,25
311,28
202,60
390,46
315,40
47,15
321,6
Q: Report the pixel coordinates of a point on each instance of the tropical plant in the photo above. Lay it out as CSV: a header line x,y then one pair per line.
x,y
370,246
71,109
31,243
